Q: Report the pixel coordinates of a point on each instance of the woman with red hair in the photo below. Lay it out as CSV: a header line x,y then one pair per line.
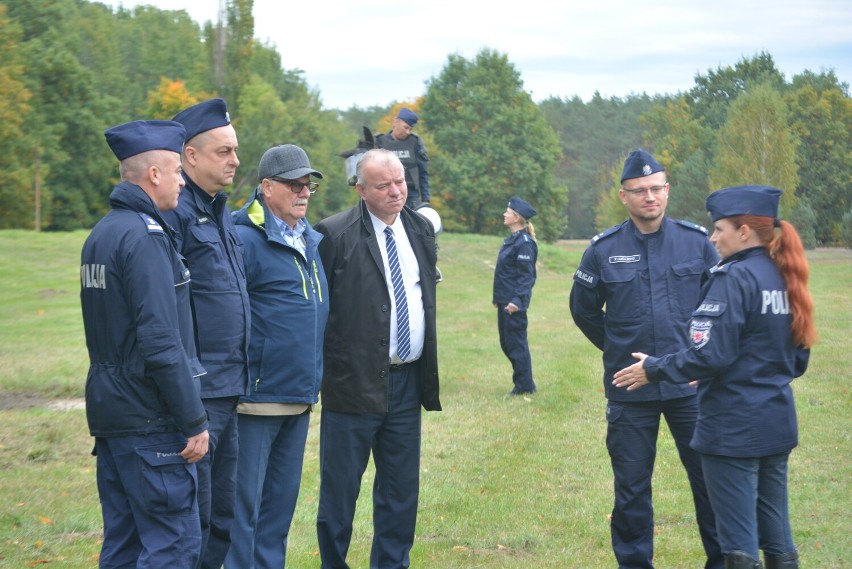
x,y
750,336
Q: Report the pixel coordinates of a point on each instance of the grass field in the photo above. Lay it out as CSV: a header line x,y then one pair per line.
x,y
506,482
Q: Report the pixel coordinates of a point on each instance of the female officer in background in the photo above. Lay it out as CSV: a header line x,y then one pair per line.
x,y
751,335
514,278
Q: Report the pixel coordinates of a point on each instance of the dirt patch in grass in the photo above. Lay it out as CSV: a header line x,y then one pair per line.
x,y
26,399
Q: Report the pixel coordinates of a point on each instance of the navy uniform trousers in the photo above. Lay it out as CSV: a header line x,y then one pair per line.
x,y
346,440
514,343
631,440
148,497
217,481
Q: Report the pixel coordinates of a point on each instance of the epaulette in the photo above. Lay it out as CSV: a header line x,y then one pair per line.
x,y
721,268
152,224
605,234
690,225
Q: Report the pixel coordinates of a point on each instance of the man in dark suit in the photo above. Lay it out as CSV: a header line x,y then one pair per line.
x,y
381,362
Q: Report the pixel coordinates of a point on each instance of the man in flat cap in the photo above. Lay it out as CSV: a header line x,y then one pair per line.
x,y
289,303
210,243
647,272
142,393
411,151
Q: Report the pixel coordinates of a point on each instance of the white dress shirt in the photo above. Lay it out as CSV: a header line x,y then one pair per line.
x,y
411,279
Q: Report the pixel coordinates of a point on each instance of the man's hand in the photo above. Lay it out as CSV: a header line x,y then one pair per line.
x,y
632,377
196,447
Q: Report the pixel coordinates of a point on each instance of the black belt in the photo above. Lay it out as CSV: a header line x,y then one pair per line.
x,y
398,367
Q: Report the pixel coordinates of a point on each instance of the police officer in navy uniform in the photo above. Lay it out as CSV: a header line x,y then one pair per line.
x,y
514,278
647,272
207,238
749,337
411,151
142,394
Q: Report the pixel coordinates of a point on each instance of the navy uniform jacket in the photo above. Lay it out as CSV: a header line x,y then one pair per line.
x,y
650,284
742,348
208,240
412,153
289,302
356,365
514,275
138,322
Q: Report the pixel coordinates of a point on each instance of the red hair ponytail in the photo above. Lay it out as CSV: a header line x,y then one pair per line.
x,y
786,251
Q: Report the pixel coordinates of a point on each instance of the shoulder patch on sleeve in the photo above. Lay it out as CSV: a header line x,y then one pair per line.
x,y
710,307
585,278
605,234
693,226
699,332
152,224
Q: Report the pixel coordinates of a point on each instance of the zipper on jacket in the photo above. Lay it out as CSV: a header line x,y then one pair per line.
x,y
302,273
317,279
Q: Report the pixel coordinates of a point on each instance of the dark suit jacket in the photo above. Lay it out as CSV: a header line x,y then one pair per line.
x,y
355,377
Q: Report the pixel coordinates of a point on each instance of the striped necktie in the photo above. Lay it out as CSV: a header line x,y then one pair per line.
x,y
403,333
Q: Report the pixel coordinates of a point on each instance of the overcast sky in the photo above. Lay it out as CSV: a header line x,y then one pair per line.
x,y
374,52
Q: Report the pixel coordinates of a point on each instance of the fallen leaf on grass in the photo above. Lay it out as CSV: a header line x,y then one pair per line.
x,y
45,521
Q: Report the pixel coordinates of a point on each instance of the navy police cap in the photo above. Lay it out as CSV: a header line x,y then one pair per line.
x,y
136,137
640,164
522,208
407,115
204,116
761,201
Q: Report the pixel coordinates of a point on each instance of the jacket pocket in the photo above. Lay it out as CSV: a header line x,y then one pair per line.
x,y
623,294
686,286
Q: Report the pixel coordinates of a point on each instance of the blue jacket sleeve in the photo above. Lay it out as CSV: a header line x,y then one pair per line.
x,y
803,355
715,334
587,300
525,260
151,291
423,167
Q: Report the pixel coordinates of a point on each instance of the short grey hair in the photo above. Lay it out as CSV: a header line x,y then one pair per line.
x,y
381,155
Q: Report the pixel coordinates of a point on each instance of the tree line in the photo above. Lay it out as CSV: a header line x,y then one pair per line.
x,y
69,69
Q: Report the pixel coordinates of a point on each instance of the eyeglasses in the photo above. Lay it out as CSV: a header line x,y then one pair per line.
x,y
655,190
296,186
